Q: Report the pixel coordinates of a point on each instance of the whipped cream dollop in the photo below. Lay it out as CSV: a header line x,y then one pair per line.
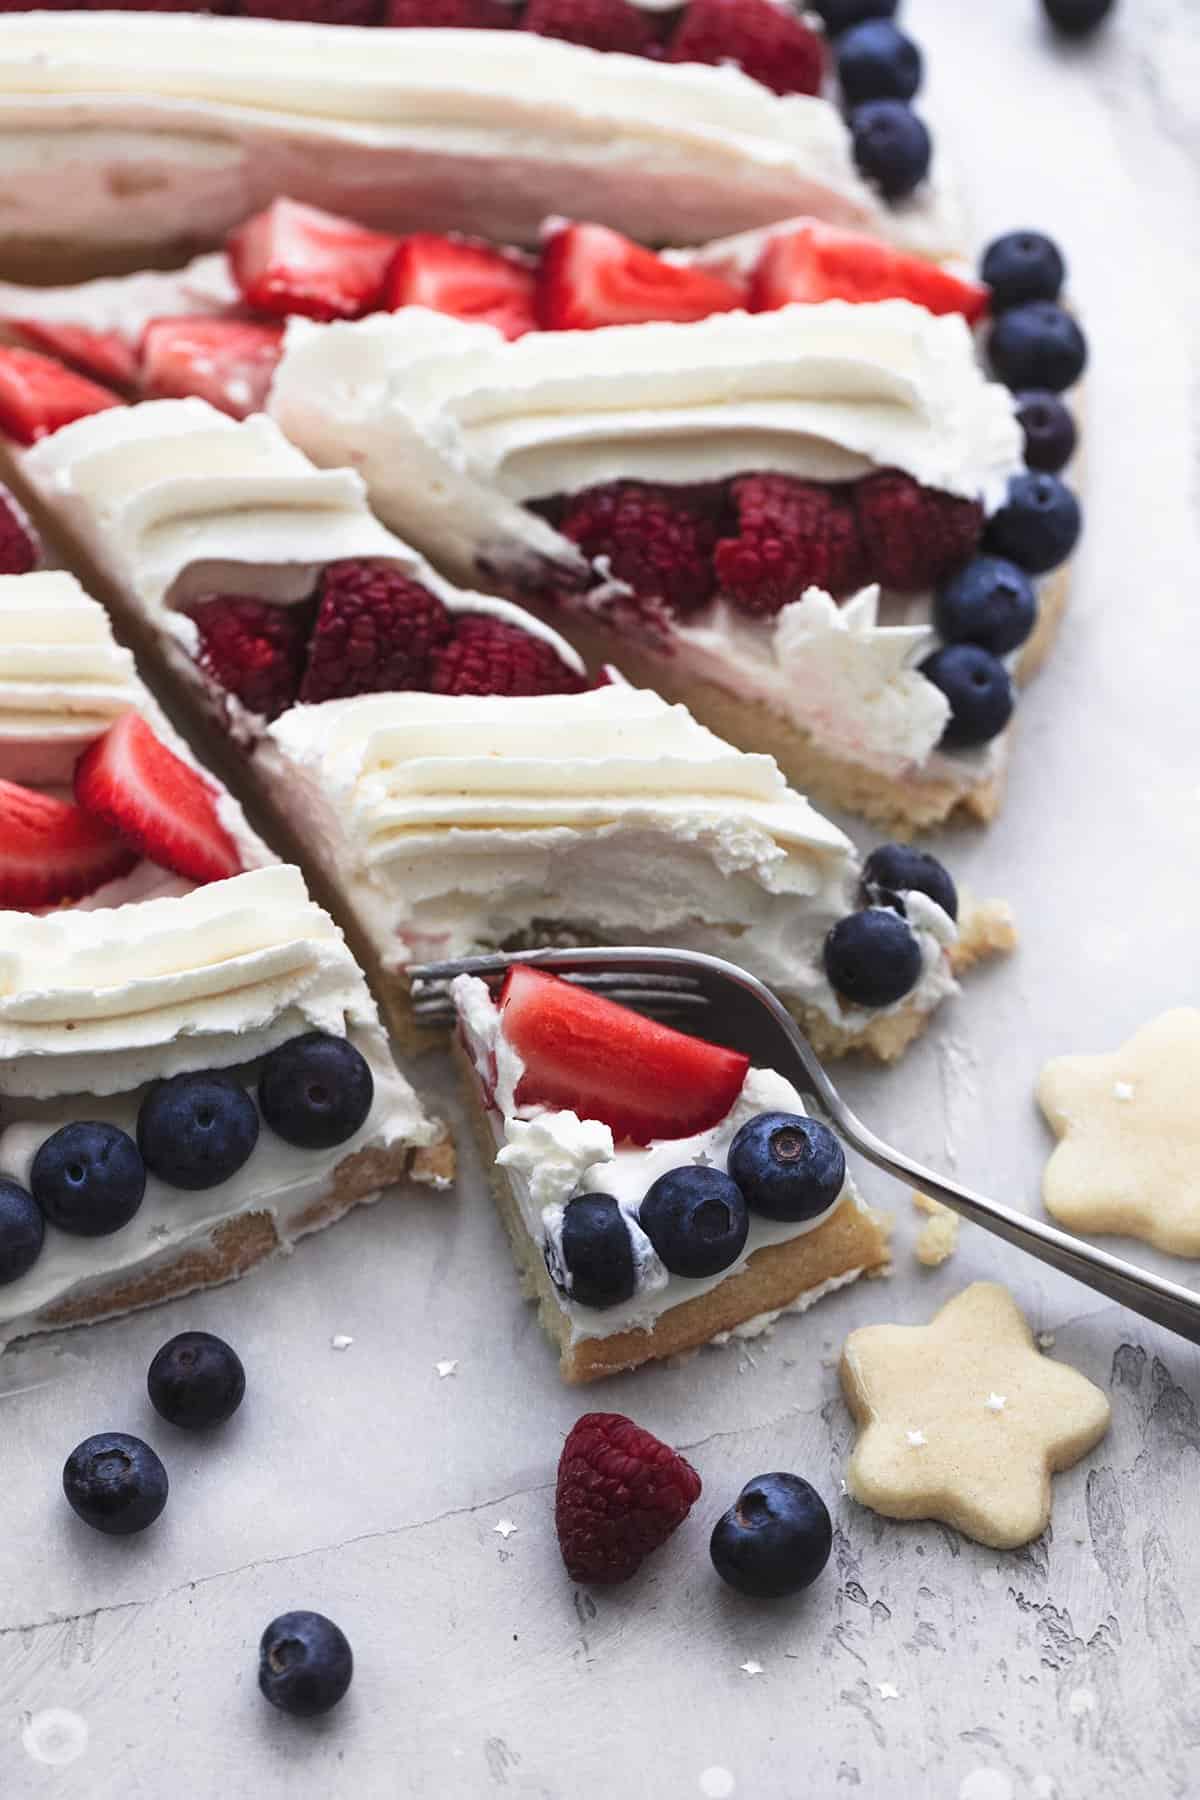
x,y
181,129
453,427
550,1155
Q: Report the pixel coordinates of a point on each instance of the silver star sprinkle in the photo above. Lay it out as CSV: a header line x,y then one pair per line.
x,y
449,1367
750,1667
505,1527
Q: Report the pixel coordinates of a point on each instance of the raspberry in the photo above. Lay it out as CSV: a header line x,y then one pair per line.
x,y
913,537
489,656
598,24
620,1494
253,649
766,39
658,540
376,633
461,15
792,535
20,550
314,12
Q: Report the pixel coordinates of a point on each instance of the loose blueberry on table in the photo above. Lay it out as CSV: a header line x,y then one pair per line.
x,y
1077,18
775,1539
196,1380
115,1483
305,1664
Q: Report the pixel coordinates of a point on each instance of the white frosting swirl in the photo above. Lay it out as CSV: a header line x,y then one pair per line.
x,y
453,427
190,123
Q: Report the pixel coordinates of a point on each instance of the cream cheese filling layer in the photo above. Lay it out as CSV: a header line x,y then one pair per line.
x,y
549,1155
400,123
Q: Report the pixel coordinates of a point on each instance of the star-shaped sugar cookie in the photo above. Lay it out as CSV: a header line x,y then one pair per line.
x,y
962,1420
1129,1123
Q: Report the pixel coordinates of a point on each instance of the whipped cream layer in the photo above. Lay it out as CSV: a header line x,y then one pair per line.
x,y
125,304
177,131
458,824
453,428
94,1007
550,1155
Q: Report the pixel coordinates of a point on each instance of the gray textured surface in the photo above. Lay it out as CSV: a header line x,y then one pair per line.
x,y
364,1485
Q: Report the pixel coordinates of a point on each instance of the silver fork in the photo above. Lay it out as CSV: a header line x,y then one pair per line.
x,y
720,1001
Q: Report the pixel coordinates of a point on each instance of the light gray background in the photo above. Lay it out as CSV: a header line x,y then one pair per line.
x,y
362,1484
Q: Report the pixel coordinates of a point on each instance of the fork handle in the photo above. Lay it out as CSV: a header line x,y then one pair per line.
x,y
1164,1302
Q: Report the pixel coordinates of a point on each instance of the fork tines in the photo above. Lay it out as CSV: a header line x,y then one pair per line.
x,y
656,993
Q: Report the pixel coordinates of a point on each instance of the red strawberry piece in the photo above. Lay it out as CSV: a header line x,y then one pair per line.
x,y
490,656
53,851
164,807
658,540
620,1494
228,362
461,15
254,650
591,276
471,281
597,24
791,535
818,263
913,537
314,12
767,40
39,396
605,1062
104,355
376,633
20,546
297,259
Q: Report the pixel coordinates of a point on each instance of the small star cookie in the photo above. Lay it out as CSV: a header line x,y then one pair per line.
x,y
933,1441
1129,1124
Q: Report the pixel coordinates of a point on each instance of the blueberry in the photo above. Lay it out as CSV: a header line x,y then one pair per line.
x,y
877,62
597,1251
892,147
115,1483
980,692
1037,345
1022,265
775,1539
305,1663
22,1229
897,869
1075,18
696,1219
1039,524
789,1167
989,602
88,1179
195,1131
839,15
196,1380
316,1091
872,958
1050,435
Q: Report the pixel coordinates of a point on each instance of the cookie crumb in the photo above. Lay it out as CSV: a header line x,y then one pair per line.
x,y
937,1239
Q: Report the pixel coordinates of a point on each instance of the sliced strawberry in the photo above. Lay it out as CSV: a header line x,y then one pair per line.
x,y
592,276
51,851
817,263
134,783
471,281
296,259
104,355
766,38
605,1062
228,362
39,396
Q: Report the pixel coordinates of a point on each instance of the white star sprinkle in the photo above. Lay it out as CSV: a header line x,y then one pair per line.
x,y
916,1438
449,1367
505,1527
1123,1090
339,1341
996,1402
887,1691
751,1667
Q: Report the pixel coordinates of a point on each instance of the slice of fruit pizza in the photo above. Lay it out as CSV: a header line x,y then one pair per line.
x,y
658,1191
439,758
193,1074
